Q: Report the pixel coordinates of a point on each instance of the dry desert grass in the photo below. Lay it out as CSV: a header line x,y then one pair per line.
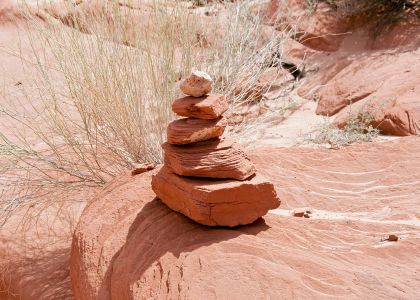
x,y
104,78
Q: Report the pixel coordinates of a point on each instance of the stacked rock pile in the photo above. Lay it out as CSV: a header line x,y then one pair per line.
x,y
205,177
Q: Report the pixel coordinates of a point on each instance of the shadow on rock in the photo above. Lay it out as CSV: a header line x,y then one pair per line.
x,y
159,240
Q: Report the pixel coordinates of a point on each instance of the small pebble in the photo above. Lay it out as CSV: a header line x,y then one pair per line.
x,y
392,238
298,214
141,168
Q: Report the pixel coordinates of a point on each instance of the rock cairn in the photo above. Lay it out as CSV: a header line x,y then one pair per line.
x,y
208,178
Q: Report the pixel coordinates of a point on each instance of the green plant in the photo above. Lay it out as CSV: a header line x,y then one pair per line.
x,y
357,129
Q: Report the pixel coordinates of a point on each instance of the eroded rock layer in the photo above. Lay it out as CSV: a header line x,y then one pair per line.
x,y
213,158
189,130
206,107
216,202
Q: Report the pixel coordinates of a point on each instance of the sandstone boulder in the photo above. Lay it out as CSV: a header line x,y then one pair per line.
x,y
400,116
216,203
206,107
188,130
381,86
213,158
129,245
197,85
366,75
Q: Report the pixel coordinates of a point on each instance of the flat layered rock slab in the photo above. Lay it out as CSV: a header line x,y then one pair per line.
x,y
189,130
216,202
206,107
213,158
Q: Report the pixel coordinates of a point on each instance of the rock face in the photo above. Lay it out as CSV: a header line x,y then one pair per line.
x,y
188,130
320,29
207,107
216,202
210,180
213,158
197,85
390,97
129,245
399,116
355,81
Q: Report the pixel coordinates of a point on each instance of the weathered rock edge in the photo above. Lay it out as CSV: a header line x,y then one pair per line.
x,y
216,202
189,130
213,158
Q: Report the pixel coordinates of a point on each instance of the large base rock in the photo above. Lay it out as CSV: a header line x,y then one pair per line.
x,y
216,202
129,245
213,158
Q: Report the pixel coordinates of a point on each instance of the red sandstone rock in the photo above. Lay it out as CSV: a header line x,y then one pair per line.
x,y
399,116
323,29
197,85
389,98
128,245
141,168
189,130
301,212
393,238
366,76
298,214
216,202
214,158
207,107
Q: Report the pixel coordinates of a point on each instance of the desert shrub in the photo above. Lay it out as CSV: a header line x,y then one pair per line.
x,y
357,129
104,84
385,11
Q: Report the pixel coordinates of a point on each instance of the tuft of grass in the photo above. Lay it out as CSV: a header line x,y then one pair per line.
x,y
358,129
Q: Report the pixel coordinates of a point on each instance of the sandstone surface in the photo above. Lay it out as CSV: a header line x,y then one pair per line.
x,y
370,75
216,202
188,130
128,245
213,158
322,29
397,116
206,107
197,85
